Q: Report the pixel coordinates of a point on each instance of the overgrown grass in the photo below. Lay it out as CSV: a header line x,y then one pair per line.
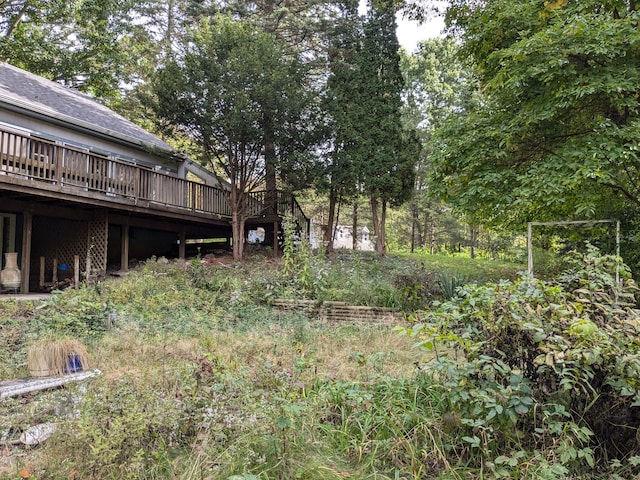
x,y
408,281
202,379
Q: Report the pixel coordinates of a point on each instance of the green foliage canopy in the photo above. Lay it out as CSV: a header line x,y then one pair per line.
x,y
438,85
556,134
235,87
85,44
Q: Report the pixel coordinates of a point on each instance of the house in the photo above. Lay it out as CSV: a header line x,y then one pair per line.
x,y
81,187
342,237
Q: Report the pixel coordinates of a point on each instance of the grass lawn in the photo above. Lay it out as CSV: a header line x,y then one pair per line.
x,y
478,269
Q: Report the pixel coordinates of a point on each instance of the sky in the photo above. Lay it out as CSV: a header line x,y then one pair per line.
x,y
410,32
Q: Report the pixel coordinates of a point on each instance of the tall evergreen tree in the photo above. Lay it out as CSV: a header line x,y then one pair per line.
x,y
339,178
386,151
372,153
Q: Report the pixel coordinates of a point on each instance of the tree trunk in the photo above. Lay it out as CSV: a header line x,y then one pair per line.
x,y
354,227
237,204
432,243
237,227
14,22
473,233
383,228
328,234
414,226
167,41
378,218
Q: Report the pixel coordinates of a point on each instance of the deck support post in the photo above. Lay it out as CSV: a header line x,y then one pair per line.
x,y
12,234
1,240
76,271
124,248
27,231
275,239
42,267
182,247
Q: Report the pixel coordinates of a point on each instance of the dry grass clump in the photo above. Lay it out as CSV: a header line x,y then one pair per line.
x,y
53,357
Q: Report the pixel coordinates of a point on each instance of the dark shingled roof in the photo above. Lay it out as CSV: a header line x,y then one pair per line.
x,y
38,95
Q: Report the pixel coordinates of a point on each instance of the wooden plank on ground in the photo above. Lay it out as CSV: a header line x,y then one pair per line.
x,y
12,388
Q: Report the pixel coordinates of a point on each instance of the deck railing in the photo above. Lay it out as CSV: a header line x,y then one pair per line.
x,y
80,170
284,204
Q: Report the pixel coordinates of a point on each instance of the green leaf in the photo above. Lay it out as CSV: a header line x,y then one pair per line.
x,y
473,441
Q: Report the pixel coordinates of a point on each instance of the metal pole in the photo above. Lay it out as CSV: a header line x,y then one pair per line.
x,y
618,251
529,250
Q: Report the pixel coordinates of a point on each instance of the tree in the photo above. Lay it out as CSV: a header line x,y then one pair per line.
x,y
372,155
437,85
557,133
107,48
386,152
230,79
76,42
339,177
300,26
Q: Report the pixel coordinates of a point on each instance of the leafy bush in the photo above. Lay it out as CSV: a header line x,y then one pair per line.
x,y
417,288
125,428
79,312
547,372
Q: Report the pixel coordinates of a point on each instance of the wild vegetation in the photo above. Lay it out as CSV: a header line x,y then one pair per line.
x,y
531,114
203,378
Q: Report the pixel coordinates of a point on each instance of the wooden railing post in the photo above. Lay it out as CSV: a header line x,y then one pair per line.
x,y
136,185
57,162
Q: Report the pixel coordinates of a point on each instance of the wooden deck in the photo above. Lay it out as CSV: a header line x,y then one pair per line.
x,y
33,166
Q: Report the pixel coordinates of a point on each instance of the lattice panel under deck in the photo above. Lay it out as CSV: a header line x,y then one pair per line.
x,y
60,239
97,239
